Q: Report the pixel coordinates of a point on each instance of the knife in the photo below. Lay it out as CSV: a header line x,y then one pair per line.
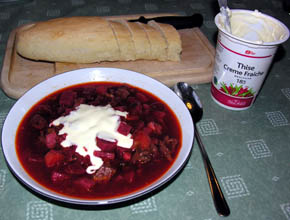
x,y
179,22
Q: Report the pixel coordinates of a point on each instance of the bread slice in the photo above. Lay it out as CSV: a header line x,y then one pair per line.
x,y
172,38
72,39
141,42
124,40
158,45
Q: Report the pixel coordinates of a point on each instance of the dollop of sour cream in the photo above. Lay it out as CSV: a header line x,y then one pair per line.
x,y
87,122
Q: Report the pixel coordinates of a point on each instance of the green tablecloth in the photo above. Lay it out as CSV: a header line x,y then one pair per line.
x,y
249,150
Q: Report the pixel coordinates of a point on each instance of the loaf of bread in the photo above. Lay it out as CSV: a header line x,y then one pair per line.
x,y
95,39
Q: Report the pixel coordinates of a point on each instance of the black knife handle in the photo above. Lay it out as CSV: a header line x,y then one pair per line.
x,y
179,22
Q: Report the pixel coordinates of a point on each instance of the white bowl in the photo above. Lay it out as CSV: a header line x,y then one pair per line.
x,y
57,82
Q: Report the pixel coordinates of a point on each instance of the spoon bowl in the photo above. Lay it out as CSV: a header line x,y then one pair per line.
x,y
191,100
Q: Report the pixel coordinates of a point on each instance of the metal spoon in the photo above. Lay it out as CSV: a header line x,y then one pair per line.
x,y
192,102
224,11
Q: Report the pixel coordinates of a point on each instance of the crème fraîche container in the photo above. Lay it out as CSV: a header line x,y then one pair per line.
x,y
243,57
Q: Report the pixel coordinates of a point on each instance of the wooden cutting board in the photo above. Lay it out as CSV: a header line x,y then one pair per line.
x,y
20,74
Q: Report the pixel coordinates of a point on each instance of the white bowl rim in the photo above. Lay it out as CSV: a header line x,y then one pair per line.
x,y
41,90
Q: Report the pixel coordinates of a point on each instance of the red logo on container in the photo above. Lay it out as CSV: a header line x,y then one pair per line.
x,y
249,52
231,101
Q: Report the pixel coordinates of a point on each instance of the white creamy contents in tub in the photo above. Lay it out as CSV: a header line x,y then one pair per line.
x,y
254,26
87,122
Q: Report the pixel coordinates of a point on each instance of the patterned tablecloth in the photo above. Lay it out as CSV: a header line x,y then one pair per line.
x,y
249,149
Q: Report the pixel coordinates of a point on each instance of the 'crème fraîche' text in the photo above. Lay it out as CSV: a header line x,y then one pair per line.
x,y
87,122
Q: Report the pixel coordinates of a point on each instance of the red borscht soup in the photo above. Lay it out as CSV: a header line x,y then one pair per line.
x,y
98,140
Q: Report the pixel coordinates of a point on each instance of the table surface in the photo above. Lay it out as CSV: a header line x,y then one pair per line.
x,y
249,149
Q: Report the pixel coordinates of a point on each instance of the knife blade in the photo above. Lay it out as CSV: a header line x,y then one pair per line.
x,y
179,22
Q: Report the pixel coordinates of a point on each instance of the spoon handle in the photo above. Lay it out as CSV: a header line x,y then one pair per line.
x,y
216,192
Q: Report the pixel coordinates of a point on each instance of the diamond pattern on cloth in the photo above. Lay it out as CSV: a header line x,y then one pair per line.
x,y
190,193
148,205
4,15
77,2
125,1
24,21
39,210
277,118
286,92
258,149
2,179
188,165
53,12
235,186
103,10
286,210
198,6
150,7
2,118
208,127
